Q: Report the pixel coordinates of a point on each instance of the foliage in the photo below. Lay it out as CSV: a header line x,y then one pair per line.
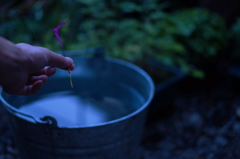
x,y
132,30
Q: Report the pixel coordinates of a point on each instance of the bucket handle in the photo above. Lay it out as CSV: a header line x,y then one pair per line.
x,y
44,120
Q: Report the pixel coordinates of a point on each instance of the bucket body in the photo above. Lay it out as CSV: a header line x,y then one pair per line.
x,y
121,89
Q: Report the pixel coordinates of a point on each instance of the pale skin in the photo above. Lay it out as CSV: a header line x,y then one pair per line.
x,y
25,68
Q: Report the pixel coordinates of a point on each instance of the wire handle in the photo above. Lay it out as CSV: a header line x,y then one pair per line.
x,y
16,112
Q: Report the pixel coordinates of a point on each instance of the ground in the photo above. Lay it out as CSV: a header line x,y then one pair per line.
x,y
203,125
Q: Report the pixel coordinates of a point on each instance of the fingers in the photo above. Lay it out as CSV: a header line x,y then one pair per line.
x,y
33,79
57,60
41,75
49,71
31,89
34,85
71,67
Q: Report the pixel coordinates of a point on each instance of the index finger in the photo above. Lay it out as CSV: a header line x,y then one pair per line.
x,y
41,57
56,60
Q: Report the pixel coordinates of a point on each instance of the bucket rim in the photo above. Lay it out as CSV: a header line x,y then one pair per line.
x,y
127,64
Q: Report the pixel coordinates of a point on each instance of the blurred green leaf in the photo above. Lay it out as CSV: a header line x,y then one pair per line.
x,y
198,74
131,30
128,6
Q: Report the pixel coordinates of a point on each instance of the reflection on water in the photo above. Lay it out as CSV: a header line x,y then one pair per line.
x,y
71,109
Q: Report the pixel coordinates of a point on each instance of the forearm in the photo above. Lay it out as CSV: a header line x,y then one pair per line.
x,y
12,60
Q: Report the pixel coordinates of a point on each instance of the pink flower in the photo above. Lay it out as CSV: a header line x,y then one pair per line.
x,y
55,30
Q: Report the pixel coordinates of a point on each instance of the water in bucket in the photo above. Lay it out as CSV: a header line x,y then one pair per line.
x,y
86,108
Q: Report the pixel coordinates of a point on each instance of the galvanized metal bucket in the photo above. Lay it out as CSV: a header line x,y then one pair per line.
x,y
97,80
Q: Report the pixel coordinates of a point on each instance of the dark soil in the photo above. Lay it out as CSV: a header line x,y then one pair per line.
x,y
200,125
204,125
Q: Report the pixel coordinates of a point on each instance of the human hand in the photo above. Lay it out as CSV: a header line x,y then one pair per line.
x,y
24,68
